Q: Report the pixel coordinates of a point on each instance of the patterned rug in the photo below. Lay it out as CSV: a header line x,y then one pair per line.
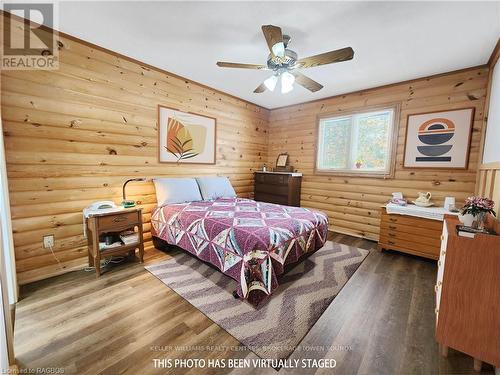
x,y
277,327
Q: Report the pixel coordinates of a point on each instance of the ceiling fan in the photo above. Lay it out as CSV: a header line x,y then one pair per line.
x,y
285,63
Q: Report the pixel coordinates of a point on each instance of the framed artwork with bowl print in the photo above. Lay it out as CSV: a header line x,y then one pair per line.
x,y
438,139
185,137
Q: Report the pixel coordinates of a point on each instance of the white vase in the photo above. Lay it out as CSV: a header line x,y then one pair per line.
x,y
466,220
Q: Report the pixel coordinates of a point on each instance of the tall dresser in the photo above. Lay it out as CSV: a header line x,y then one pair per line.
x,y
468,295
278,187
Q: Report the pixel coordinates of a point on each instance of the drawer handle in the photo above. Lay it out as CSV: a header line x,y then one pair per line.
x,y
393,219
437,286
439,263
392,234
119,219
391,242
392,227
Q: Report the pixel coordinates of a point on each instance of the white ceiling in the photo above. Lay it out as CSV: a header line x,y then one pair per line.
x,y
393,41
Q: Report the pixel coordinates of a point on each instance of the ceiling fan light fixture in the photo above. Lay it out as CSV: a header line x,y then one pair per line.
x,y
284,63
279,49
287,81
271,82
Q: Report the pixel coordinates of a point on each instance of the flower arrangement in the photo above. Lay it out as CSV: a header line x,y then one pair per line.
x,y
478,205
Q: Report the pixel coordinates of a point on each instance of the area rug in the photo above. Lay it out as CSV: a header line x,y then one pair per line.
x,y
276,328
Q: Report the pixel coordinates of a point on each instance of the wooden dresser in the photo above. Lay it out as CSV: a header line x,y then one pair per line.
x,y
468,295
410,234
278,187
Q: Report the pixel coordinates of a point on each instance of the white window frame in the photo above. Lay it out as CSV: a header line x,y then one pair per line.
x,y
393,136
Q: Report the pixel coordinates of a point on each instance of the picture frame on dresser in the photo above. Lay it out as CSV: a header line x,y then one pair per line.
x,y
282,163
282,160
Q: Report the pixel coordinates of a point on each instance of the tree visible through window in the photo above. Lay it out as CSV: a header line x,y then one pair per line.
x,y
358,142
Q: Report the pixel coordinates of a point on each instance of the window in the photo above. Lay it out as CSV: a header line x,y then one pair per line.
x,y
357,143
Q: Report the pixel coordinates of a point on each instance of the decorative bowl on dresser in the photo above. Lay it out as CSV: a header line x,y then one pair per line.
x,y
278,187
416,230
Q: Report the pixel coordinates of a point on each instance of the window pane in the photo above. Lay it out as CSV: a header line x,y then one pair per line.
x,y
356,142
336,134
372,141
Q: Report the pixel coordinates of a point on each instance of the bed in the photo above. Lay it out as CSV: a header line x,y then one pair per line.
x,y
250,241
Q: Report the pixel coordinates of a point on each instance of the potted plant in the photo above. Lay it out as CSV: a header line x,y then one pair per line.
x,y
478,207
359,163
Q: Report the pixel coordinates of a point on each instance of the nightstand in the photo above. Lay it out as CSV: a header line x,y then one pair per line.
x,y
112,224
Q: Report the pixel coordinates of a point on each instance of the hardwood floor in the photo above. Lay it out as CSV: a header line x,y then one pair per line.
x,y
382,322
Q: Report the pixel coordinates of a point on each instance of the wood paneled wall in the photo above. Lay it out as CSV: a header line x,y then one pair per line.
x,y
488,176
73,136
488,183
353,204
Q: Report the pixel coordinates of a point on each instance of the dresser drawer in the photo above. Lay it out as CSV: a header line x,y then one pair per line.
x,y
272,189
410,229
412,221
429,250
434,241
121,220
273,179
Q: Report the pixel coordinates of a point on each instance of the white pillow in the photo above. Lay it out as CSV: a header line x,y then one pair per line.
x,y
176,190
215,187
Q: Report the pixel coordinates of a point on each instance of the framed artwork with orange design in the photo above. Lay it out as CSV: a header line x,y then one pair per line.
x,y
185,137
438,139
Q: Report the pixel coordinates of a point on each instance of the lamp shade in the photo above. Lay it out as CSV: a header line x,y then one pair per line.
x,y
287,81
271,82
279,49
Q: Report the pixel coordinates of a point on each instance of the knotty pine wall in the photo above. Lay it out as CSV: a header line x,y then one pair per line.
x,y
74,135
488,176
353,204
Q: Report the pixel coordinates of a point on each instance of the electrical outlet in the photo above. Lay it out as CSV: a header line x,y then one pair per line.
x,y
48,241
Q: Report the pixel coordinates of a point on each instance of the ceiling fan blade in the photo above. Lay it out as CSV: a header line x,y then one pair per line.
x,y
307,82
274,39
339,55
260,88
224,64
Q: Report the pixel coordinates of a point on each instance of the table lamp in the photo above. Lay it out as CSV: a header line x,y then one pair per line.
x,y
126,203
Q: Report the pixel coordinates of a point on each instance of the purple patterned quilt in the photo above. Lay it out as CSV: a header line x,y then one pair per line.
x,y
247,240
